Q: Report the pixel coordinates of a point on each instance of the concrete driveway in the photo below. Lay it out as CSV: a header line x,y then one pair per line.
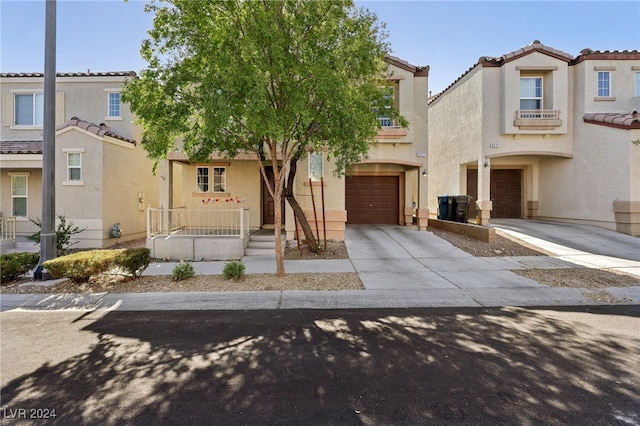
x,y
393,257
588,239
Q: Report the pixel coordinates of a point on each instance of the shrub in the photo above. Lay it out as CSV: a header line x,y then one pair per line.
x,y
81,266
182,271
134,260
13,265
233,269
64,232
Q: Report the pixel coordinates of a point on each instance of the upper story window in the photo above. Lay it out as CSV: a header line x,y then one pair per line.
x,y
531,93
74,166
315,165
604,83
391,98
19,195
637,83
29,109
114,105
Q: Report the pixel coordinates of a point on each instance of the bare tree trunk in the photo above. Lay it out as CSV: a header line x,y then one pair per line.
x,y
297,210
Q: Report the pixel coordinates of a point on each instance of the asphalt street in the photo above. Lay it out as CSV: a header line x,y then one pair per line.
x,y
572,365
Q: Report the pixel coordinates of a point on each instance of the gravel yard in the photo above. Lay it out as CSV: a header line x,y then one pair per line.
x,y
592,279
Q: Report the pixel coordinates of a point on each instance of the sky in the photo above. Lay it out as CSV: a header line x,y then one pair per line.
x,y
448,36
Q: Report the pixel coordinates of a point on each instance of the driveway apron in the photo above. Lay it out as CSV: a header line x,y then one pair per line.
x,y
393,257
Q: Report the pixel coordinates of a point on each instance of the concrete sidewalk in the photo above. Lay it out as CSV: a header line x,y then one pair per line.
x,y
400,267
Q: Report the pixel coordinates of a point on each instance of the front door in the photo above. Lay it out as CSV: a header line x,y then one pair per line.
x,y
268,207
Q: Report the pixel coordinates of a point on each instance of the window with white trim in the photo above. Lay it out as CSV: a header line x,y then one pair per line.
x,y
219,179
637,83
74,166
211,179
114,105
604,84
315,165
19,195
202,179
29,109
531,98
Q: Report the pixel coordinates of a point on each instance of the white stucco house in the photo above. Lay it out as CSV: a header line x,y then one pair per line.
x,y
537,133
102,173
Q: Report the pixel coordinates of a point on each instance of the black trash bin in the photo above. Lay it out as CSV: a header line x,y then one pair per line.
x,y
462,205
443,207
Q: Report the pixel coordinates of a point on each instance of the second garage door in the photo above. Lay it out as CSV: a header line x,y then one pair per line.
x,y
372,199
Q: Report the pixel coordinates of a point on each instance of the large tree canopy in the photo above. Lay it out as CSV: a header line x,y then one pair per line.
x,y
269,77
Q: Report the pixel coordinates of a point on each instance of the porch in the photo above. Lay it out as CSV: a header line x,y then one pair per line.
x,y
7,233
186,234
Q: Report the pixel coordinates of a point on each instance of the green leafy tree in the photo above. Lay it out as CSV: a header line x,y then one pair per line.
x,y
272,78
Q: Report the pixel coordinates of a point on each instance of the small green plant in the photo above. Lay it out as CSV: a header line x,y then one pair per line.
x,y
81,266
233,269
182,271
13,265
64,232
134,260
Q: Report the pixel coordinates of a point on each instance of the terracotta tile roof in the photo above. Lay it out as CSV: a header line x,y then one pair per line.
x,y
535,46
21,147
99,129
588,54
71,74
419,71
623,121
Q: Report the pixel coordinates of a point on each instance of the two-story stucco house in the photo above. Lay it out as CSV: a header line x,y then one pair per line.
x,y
229,196
103,176
537,133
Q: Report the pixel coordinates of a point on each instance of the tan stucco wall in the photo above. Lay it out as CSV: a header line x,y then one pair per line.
x,y
128,189
244,181
584,188
455,136
506,86
84,97
81,203
623,88
334,203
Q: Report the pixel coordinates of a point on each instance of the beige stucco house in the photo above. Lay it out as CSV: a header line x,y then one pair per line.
x,y
230,194
538,133
102,173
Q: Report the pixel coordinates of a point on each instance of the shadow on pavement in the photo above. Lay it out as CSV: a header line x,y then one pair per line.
x,y
405,366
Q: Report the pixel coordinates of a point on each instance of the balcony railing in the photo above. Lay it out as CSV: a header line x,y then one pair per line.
x,y
538,114
197,223
8,228
387,122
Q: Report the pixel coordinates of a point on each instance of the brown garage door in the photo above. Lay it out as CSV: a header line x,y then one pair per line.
x,y
372,199
506,193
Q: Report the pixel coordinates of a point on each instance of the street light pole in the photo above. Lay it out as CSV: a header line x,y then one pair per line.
x,y
48,235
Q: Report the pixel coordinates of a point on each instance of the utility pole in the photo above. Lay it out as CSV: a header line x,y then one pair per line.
x,y
48,235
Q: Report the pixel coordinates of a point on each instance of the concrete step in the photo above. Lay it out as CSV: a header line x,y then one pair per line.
x,y
262,237
259,251
261,244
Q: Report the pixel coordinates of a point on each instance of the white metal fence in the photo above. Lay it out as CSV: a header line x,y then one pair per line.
x,y
538,114
8,228
197,223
